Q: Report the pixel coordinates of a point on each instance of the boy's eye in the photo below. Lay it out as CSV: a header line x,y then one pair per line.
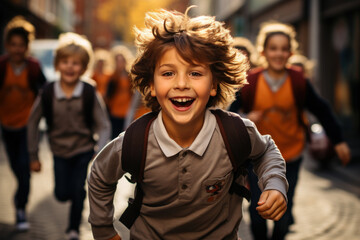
x,y
273,48
167,74
195,74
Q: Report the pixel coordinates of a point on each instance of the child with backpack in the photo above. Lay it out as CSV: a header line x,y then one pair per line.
x,y
74,113
20,80
188,168
118,91
275,100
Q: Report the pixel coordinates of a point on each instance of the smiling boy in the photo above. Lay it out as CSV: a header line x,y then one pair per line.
x,y
74,113
183,91
186,66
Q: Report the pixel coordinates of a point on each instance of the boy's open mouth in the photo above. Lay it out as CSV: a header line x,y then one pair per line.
x,y
182,102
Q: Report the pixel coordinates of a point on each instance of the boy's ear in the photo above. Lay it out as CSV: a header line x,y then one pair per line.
x,y
213,90
152,89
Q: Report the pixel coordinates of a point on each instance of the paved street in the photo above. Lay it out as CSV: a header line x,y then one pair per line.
x,y
327,204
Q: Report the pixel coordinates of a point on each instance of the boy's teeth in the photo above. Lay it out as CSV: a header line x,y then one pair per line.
x,y
182,99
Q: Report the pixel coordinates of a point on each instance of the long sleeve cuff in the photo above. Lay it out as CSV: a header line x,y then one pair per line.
x,y
34,156
103,232
276,183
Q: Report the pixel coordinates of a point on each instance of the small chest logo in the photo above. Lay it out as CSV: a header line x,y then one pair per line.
x,y
214,191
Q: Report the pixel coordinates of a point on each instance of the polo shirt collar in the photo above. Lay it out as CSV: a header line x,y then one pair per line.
x,y
170,148
59,93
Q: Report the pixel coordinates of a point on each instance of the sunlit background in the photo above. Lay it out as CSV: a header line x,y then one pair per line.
x,y
328,32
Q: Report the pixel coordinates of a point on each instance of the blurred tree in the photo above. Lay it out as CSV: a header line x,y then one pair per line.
x,y
123,15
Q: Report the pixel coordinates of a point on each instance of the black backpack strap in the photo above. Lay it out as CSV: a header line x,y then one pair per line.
x,y
133,161
36,77
233,130
3,62
88,99
238,146
135,146
235,136
47,103
247,93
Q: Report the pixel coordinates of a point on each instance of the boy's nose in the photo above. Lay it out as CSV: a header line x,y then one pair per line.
x,y
182,81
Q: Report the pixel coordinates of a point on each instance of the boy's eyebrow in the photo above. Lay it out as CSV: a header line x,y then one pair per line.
x,y
171,65
166,65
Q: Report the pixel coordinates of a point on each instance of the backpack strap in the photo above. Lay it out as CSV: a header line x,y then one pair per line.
x,y
3,61
238,145
234,134
88,98
136,149
47,103
36,77
133,161
233,130
247,93
298,84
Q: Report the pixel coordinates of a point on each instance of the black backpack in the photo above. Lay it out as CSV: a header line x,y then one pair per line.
x,y
234,134
88,97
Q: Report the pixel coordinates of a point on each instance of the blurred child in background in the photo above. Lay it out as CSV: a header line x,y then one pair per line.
x,y
118,94
275,99
248,49
74,114
20,80
102,70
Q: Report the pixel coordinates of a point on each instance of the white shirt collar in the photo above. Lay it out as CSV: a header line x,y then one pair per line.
x,y
59,93
170,148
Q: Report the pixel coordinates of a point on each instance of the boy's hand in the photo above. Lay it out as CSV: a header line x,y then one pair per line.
x,y
343,152
35,166
116,237
272,205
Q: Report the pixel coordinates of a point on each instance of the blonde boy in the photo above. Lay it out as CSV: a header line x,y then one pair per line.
x,y
74,113
184,67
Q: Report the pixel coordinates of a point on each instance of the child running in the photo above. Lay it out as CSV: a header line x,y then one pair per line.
x,y
275,100
186,66
74,113
21,78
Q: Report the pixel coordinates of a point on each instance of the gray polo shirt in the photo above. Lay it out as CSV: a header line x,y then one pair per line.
x,y
179,183
69,135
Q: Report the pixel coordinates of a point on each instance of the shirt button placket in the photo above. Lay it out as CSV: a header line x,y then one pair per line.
x,y
183,170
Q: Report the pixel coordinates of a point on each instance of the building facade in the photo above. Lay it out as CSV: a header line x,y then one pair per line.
x,y
50,18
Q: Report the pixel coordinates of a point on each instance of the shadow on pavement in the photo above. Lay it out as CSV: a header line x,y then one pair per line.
x,y
341,177
48,220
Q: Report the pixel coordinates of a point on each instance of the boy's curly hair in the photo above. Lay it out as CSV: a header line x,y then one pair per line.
x,y
198,40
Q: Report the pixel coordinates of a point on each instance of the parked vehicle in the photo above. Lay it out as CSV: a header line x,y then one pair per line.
x,y
43,50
